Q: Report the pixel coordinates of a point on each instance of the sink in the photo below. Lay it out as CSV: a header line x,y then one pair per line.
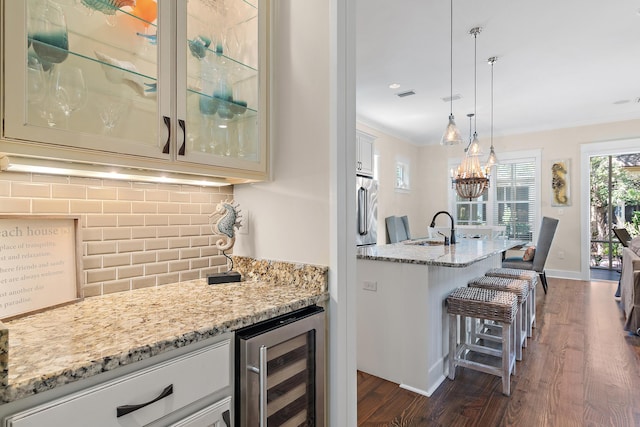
x,y
424,242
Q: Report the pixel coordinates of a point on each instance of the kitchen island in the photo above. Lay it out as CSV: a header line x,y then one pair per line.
x,y
402,321
70,347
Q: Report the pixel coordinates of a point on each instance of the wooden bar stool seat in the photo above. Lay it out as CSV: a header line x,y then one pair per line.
x,y
486,304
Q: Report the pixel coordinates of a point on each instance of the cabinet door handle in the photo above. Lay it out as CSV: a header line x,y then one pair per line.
x,y
126,409
167,122
184,137
226,417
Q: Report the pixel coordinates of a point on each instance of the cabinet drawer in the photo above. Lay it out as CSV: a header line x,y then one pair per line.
x,y
216,415
191,377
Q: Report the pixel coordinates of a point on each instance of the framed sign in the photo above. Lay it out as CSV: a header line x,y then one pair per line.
x,y
40,263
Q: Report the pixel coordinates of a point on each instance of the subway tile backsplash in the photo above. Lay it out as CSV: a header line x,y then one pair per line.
x,y
134,235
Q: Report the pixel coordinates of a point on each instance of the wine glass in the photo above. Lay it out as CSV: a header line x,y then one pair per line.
x,y
67,89
113,109
36,80
48,32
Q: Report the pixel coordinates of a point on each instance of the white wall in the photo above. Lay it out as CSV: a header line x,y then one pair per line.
x,y
390,150
288,218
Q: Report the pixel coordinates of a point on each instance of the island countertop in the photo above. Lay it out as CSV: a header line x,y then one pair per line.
x,y
432,252
98,334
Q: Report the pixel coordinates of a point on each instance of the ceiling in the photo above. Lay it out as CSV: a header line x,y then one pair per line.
x,y
560,64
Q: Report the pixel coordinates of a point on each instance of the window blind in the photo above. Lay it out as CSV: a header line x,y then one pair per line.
x,y
516,198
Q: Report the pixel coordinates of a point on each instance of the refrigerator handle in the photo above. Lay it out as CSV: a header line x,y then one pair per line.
x,y
363,199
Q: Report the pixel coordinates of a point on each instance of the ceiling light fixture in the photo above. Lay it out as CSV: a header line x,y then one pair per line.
x,y
394,85
451,134
492,160
470,179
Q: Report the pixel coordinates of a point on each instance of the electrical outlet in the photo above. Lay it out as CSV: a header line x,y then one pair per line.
x,y
370,286
244,229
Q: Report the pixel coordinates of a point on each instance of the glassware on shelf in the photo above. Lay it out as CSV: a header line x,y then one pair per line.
x,y
67,93
48,32
112,110
36,80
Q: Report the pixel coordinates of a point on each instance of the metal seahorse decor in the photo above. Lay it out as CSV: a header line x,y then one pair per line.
x,y
228,220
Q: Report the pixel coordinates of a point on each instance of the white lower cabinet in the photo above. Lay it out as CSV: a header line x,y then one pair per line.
x,y
145,396
216,415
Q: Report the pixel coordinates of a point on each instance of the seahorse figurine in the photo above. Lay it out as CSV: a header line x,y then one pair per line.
x,y
224,226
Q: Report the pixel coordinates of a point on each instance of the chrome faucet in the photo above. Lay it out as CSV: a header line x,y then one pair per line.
x,y
453,230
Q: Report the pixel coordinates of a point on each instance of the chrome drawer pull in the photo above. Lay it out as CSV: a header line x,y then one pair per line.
x,y
126,409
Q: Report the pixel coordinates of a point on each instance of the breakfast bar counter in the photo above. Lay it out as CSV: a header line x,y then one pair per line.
x,y
401,318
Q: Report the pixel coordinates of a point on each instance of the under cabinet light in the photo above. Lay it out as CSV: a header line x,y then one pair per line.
x,y
52,167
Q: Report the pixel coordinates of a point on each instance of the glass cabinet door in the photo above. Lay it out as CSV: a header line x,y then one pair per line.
x,y
219,89
84,73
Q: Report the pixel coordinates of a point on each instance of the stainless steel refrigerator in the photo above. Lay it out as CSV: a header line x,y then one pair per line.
x,y
367,210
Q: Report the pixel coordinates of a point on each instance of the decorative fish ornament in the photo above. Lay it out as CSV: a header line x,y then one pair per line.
x,y
108,7
224,226
125,72
152,38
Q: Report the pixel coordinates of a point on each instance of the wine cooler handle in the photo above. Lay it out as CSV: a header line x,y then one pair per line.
x,y
263,386
167,122
126,409
184,137
226,417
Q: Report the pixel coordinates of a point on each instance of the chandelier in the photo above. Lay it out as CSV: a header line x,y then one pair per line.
x,y
471,179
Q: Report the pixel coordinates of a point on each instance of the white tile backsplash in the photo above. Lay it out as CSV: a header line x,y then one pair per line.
x,y
134,235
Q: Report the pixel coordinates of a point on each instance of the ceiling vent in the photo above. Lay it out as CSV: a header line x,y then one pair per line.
x,y
452,98
407,93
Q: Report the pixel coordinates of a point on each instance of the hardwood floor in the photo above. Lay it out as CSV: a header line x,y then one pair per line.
x,y
580,369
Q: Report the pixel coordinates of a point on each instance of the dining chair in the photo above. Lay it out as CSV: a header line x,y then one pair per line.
x,y
623,235
397,228
545,238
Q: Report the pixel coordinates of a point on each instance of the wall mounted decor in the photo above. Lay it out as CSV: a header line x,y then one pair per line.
x,y
560,182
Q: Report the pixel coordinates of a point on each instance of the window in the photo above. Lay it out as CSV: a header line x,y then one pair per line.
x,y
515,201
512,200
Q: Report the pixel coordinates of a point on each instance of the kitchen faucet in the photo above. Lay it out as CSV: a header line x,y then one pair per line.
x,y
453,230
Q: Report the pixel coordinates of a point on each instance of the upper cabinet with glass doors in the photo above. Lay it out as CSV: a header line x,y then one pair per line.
x,y
163,85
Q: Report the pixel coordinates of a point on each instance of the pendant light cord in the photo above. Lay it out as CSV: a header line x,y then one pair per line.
x,y
451,59
475,80
493,61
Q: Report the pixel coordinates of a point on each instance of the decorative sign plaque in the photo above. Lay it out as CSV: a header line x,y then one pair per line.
x,y
40,263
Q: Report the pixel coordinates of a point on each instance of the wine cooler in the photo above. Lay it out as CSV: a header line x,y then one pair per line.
x,y
280,371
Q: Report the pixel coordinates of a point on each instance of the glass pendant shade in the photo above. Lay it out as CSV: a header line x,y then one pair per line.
x,y
451,134
474,148
493,159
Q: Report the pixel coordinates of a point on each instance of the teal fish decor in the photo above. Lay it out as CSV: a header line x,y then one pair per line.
x,y
108,7
228,218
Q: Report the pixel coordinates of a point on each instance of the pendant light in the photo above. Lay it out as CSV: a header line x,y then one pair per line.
x,y
474,147
492,160
451,134
471,179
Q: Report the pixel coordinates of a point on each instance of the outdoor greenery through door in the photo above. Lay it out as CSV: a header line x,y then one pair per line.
x,y
615,202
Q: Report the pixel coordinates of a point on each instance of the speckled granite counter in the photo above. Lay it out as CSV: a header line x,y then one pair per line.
x,y
99,334
432,252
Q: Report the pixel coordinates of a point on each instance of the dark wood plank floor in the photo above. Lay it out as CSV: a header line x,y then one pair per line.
x,y
580,369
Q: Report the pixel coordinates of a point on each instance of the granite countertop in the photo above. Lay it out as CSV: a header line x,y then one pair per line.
x,y
98,334
433,252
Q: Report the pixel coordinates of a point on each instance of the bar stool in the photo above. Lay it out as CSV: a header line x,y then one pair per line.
x,y
532,278
486,304
518,287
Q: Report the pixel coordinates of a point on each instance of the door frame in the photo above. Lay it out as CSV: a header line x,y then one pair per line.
x,y
604,148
